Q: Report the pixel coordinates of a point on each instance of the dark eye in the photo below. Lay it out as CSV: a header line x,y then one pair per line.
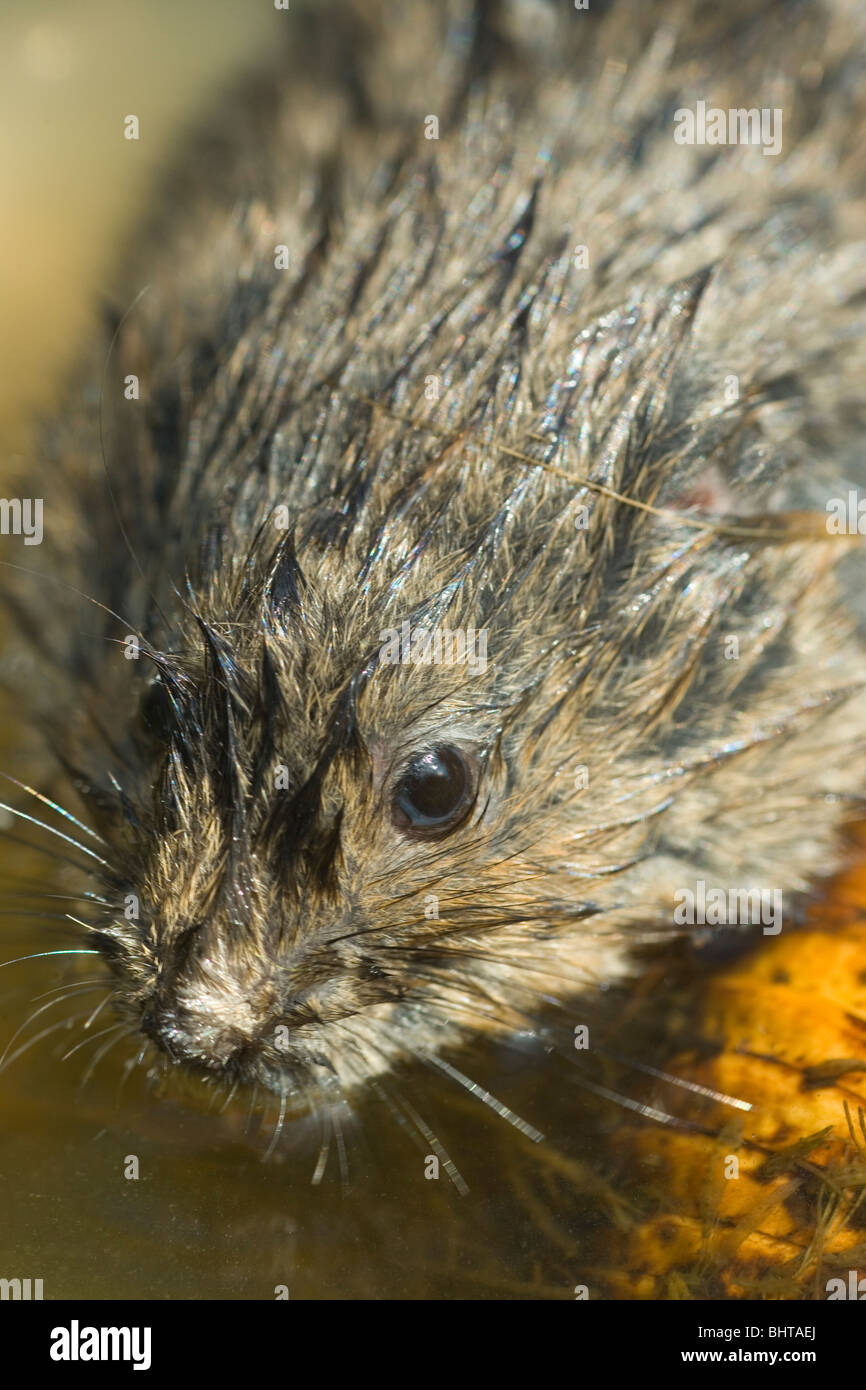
x,y
156,712
434,793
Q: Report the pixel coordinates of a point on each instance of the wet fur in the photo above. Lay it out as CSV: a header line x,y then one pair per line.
x,y
307,389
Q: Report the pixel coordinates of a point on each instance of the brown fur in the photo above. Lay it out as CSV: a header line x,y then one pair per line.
x,y
561,388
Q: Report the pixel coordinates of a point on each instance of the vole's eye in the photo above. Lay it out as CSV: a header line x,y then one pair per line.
x,y
433,794
156,712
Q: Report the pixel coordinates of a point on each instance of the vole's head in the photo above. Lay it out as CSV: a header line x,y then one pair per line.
x,y
428,757
333,822
312,830
475,388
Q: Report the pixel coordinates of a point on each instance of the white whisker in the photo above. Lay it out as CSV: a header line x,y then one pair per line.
x,y
68,951
61,811
278,1129
125,1032
61,998
52,830
84,1041
484,1096
25,1047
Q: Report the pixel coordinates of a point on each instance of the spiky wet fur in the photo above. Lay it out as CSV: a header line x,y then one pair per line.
x,y
421,266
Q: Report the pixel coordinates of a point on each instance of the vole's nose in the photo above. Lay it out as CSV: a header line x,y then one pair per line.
x,y
156,1024
193,1038
208,1006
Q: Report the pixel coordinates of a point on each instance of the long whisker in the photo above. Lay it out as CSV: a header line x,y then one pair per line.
x,y
37,955
488,1007
110,1029
250,1112
64,1023
89,926
332,1083
46,849
40,574
61,811
341,1150
52,830
128,1068
324,1151
414,1119
485,1096
61,998
91,980
59,897
278,1128
100,1006
639,1107
227,1102
35,912
432,1140
647,1112
480,1092
126,1032
692,1086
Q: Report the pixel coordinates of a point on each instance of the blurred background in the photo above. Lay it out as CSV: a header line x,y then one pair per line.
x,y
70,184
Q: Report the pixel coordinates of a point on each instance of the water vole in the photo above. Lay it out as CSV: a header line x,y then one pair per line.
x,y
490,358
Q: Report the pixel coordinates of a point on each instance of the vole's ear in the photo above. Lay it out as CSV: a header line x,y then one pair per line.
x,y
642,412
610,400
601,423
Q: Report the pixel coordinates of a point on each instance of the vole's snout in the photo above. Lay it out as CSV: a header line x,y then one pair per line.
x,y
206,1012
195,1039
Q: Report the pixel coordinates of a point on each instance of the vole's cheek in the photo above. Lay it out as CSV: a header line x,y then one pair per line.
x,y
339,998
